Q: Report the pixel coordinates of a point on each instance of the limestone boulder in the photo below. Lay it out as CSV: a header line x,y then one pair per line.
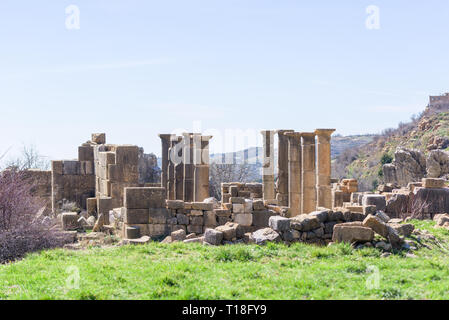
x,y
69,221
279,224
178,235
265,235
377,200
352,232
381,228
405,229
305,222
213,237
437,163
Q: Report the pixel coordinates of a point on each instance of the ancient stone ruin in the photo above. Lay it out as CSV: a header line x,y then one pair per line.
x,y
109,184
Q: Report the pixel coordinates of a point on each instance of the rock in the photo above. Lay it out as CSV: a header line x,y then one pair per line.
x,y
383,229
377,200
437,163
408,165
396,221
69,221
99,223
383,245
132,233
321,215
141,240
243,219
334,216
265,235
385,255
178,235
279,223
82,222
231,231
91,221
258,205
350,233
213,237
261,218
397,204
405,229
168,239
182,219
194,240
212,200
191,236
305,222
433,183
383,216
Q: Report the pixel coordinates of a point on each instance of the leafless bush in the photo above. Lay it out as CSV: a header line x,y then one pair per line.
x,y
22,230
29,159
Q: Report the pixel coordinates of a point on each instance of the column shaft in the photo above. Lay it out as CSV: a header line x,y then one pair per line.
x,y
165,141
201,162
282,181
294,173
268,165
308,173
324,192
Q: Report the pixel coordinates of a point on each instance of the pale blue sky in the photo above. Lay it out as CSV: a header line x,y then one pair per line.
x,y
138,68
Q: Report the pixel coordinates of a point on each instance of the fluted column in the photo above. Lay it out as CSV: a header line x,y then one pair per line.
x,y
165,141
268,165
308,172
294,172
201,164
282,182
323,183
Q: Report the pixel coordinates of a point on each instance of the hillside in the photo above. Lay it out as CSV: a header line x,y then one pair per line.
x,y
428,132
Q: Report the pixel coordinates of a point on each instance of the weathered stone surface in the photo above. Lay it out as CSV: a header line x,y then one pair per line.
x,y
206,206
136,216
258,205
279,224
408,166
353,216
175,204
198,229
383,216
210,219
377,200
132,233
141,240
231,230
213,237
178,235
195,240
261,217
237,200
265,235
321,215
196,221
243,219
304,222
69,221
238,208
182,219
383,229
334,216
433,183
158,215
352,233
405,229
437,163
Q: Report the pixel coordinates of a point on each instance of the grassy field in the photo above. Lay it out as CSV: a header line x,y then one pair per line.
x,y
192,271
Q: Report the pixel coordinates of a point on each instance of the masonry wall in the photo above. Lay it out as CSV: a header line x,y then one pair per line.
x,y
41,181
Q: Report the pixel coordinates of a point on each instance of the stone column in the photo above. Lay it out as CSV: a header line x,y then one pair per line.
x,y
189,169
177,160
171,169
201,162
308,172
268,165
294,173
165,140
323,183
282,182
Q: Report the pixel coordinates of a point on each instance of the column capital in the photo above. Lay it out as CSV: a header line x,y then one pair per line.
x,y
293,135
283,131
308,136
324,132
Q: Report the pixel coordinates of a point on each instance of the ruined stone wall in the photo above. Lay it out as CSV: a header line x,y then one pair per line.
x,y
251,190
41,181
71,181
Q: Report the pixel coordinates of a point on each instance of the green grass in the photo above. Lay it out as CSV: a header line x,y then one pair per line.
x,y
193,271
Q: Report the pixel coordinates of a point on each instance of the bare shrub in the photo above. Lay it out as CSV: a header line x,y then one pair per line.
x,y
29,158
22,229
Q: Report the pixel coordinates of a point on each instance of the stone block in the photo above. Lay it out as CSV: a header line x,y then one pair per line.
x,y
261,218
243,219
196,212
136,216
159,215
175,204
213,237
258,205
132,232
352,233
321,215
196,220
265,235
182,219
433,183
377,200
158,230
98,138
91,206
238,208
139,198
179,235
248,206
234,191
127,155
210,219
223,220
239,200
279,224
71,167
198,229
305,222
222,212
205,206
85,153
69,221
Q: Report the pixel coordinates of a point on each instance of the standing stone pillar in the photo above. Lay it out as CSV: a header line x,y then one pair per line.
x,y
268,165
282,182
176,157
165,140
189,169
308,172
294,173
201,163
171,179
323,183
